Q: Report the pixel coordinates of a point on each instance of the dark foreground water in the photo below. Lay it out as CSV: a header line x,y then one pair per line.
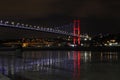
x,y
60,65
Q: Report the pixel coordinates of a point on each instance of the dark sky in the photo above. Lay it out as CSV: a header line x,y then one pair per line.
x,y
96,15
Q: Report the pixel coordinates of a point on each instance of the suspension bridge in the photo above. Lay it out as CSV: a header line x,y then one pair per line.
x,y
69,30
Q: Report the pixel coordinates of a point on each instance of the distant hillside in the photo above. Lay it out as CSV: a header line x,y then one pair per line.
x,y
101,39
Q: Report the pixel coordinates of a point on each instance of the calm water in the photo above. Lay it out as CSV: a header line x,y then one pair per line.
x,y
60,65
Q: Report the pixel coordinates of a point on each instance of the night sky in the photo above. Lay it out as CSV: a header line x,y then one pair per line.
x,y
97,16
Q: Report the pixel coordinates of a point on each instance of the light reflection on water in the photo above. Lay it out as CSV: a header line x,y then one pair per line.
x,y
66,65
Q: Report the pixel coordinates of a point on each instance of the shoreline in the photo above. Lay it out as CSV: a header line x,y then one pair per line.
x,y
77,48
92,48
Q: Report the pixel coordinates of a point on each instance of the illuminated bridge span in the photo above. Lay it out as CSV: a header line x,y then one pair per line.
x,y
70,30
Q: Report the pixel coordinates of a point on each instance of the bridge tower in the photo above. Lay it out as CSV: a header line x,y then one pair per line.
x,y
76,31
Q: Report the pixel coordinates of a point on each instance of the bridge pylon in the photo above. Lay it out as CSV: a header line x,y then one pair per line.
x,y
76,31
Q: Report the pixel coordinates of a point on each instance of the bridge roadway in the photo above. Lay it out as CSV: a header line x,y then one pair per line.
x,y
7,32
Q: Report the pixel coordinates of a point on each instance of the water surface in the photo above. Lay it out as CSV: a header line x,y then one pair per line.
x,y
60,65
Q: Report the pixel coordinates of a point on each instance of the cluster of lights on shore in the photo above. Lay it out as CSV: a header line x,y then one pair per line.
x,y
111,43
39,28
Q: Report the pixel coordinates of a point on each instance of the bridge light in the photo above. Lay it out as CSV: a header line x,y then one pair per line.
x,y
41,28
34,26
18,24
26,25
12,23
48,29
38,26
22,24
44,28
1,21
30,25
6,22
